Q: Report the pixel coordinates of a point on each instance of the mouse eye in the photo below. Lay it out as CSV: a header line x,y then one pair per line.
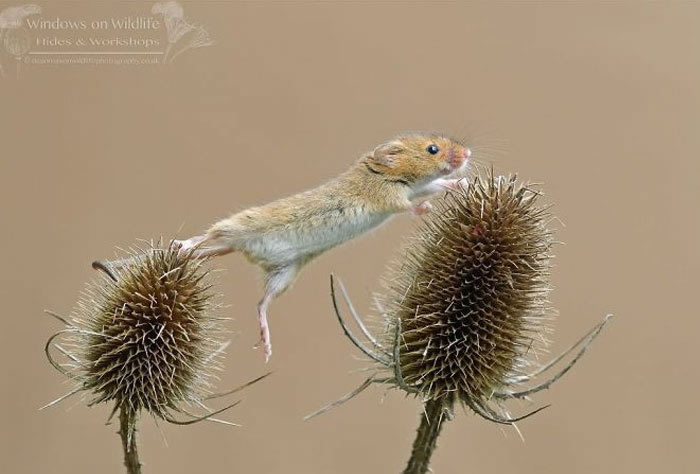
x,y
432,149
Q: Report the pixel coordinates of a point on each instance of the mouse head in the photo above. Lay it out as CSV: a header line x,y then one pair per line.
x,y
417,159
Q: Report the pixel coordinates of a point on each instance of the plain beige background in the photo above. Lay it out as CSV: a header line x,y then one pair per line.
x,y
598,101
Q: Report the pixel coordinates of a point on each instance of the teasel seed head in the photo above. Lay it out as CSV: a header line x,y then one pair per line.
x,y
147,341
469,298
465,308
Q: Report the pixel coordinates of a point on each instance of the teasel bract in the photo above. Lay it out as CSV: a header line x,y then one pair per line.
x,y
145,338
465,309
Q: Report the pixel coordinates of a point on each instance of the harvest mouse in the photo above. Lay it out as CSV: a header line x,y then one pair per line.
x,y
283,236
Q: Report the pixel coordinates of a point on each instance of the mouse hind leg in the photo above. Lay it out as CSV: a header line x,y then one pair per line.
x,y
207,245
201,246
276,282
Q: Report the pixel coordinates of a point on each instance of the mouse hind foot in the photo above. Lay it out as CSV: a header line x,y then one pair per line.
x,y
206,245
276,282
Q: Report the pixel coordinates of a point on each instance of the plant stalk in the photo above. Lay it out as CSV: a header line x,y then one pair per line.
x,y
426,437
127,432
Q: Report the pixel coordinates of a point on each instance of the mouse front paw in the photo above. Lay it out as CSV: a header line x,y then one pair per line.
x,y
422,208
457,184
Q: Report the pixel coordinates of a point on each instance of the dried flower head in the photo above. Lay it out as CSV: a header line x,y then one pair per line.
x,y
469,301
466,308
147,340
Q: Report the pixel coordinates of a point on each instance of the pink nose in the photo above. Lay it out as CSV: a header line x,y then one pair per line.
x,y
458,158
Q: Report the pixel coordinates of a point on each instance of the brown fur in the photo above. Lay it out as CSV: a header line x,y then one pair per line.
x,y
379,181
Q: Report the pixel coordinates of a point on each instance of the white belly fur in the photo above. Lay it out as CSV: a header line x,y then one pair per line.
x,y
284,247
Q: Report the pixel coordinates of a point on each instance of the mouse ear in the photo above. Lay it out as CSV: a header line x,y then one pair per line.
x,y
385,154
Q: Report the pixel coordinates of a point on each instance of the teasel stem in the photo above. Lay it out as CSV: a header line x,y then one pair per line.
x,y
434,416
127,432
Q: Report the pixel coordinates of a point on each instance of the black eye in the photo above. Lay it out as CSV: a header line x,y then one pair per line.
x,y
432,149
